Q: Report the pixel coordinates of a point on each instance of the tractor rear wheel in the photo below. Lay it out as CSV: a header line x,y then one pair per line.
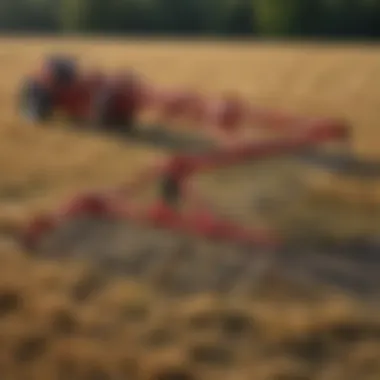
x,y
35,102
106,115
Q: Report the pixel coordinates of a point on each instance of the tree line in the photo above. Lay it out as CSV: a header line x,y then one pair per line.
x,y
277,18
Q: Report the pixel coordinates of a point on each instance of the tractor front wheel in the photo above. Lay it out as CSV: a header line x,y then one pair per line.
x,y
35,102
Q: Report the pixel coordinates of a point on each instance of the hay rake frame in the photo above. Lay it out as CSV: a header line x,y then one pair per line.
x,y
118,203
223,119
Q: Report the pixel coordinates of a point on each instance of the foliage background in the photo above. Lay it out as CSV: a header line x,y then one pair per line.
x,y
350,19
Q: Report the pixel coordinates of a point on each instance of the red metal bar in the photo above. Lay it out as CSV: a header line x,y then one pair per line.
x,y
180,168
200,225
275,120
315,134
229,113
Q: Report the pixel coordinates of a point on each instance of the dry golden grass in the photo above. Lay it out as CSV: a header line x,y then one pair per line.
x,y
68,321
49,324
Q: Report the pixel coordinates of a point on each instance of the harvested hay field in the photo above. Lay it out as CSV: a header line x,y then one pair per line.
x,y
69,320
61,320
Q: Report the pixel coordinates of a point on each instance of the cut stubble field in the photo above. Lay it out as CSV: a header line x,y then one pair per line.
x,y
52,315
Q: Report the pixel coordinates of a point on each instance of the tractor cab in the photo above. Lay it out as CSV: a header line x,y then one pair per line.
x,y
59,71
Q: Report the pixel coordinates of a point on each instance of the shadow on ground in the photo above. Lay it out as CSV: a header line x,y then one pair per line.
x,y
181,264
155,136
159,137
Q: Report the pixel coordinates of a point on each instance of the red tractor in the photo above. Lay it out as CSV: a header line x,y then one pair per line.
x,y
117,100
90,97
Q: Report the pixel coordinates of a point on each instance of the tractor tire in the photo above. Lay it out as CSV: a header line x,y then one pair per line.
x,y
35,102
105,118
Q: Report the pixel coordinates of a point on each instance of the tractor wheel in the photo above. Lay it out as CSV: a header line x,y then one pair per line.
x,y
35,102
106,117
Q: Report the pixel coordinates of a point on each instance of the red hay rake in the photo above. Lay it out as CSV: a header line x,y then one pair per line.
x,y
177,172
174,229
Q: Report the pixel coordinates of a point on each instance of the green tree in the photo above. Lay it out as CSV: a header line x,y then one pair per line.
x,y
285,18
98,15
72,15
136,16
23,15
183,17
279,18
240,19
352,18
